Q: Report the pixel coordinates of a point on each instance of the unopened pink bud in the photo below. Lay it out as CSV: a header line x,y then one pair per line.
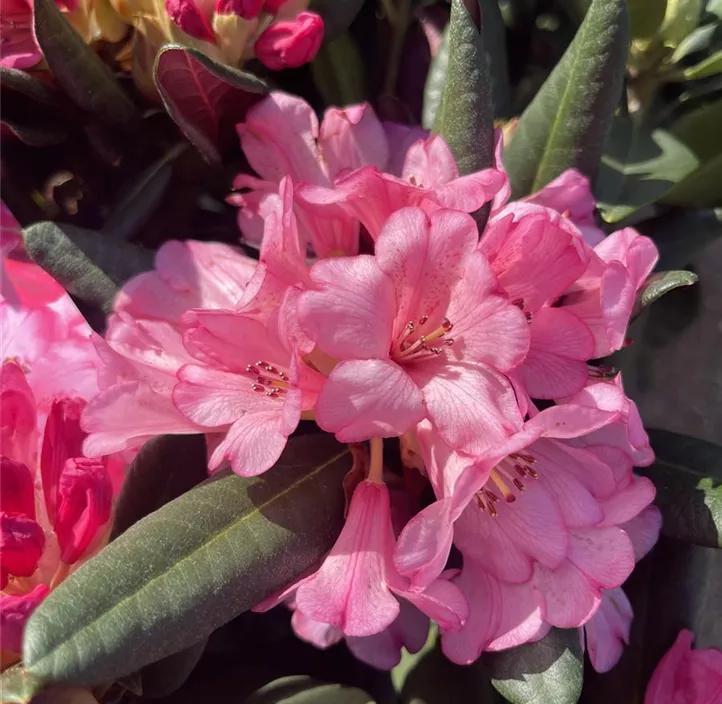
x,y
289,44
187,15
246,9
273,6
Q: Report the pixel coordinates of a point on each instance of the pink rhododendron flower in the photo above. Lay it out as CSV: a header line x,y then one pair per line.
x,y
686,676
290,43
19,48
389,318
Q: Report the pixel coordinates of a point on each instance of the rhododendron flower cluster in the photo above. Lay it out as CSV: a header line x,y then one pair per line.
x,y
55,503
379,310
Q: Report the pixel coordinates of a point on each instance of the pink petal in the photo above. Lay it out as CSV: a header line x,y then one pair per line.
x,y
520,617
638,253
351,138
429,163
643,531
329,235
320,634
14,613
17,493
18,415
21,544
400,139
350,589
442,601
470,192
671,669
567,597
364,398
568,193
607,632
252,444
351,311
279,139
628,503
605,555
560,346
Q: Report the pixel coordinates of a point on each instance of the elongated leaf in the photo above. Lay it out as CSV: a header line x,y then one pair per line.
x,y
680,18
688,475
549,670
464,118
337,15
165,468
142,197
699,130
566,123
434,88
79,70
645,17
338,72
87,264
27,84
18,686
162,678
300,689
700,189
638,168
205,99
660,283
186,569
711,66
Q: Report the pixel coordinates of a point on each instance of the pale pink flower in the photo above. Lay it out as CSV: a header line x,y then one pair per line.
x,y
55,504
281,138
389,320
686,676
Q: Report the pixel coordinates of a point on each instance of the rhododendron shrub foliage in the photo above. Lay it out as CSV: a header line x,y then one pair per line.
x,y
337,387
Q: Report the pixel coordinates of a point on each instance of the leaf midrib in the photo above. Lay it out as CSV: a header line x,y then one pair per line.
x,y
212,539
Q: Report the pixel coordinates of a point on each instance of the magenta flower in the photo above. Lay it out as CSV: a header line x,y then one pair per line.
x,y
420,330
290,43
686,675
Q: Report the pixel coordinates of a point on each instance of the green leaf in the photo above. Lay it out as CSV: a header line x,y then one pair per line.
x,y
300,689
27,84
162,678
549,670
680,19
688,475
710,66
699,130
165,468
79,70
700,189
337,15
338,72
660,283
89,265
18,686
638,167
435,82
193,565
645,17
566,123
464,117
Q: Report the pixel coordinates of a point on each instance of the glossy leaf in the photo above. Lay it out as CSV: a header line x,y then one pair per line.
x,y
710,66
205,99
300,689
165,468
338,72
162,678
188,568
680,18
79,70
89,265
699,130
638,167
142,197
337,15
464,118
660,283
566,123
549,670
27,84
435,81
700,189
688,475
18,686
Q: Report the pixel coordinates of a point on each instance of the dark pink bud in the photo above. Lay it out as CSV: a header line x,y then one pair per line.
x,y
246,9
21,544
14,612
17,494
187,15
273,6
85,501
18,418
288,44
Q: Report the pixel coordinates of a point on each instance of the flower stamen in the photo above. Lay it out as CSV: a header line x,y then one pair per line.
x,y
268,379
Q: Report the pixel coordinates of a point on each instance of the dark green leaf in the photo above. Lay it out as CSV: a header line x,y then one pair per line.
x,y
660,283
34,135
549,670
494,44
435,81
645,17
679,235
186,569
27,84
139,201
300,689
79,70
699,130
89,265
206,99
18,686
681,18
700,189
159,679
710,66
338,72
464,118
165,468
337,15
638,167
568,120
688,475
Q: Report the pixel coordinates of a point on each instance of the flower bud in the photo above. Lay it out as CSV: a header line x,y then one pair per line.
x,y
246,9
273,6
289,44
187,15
